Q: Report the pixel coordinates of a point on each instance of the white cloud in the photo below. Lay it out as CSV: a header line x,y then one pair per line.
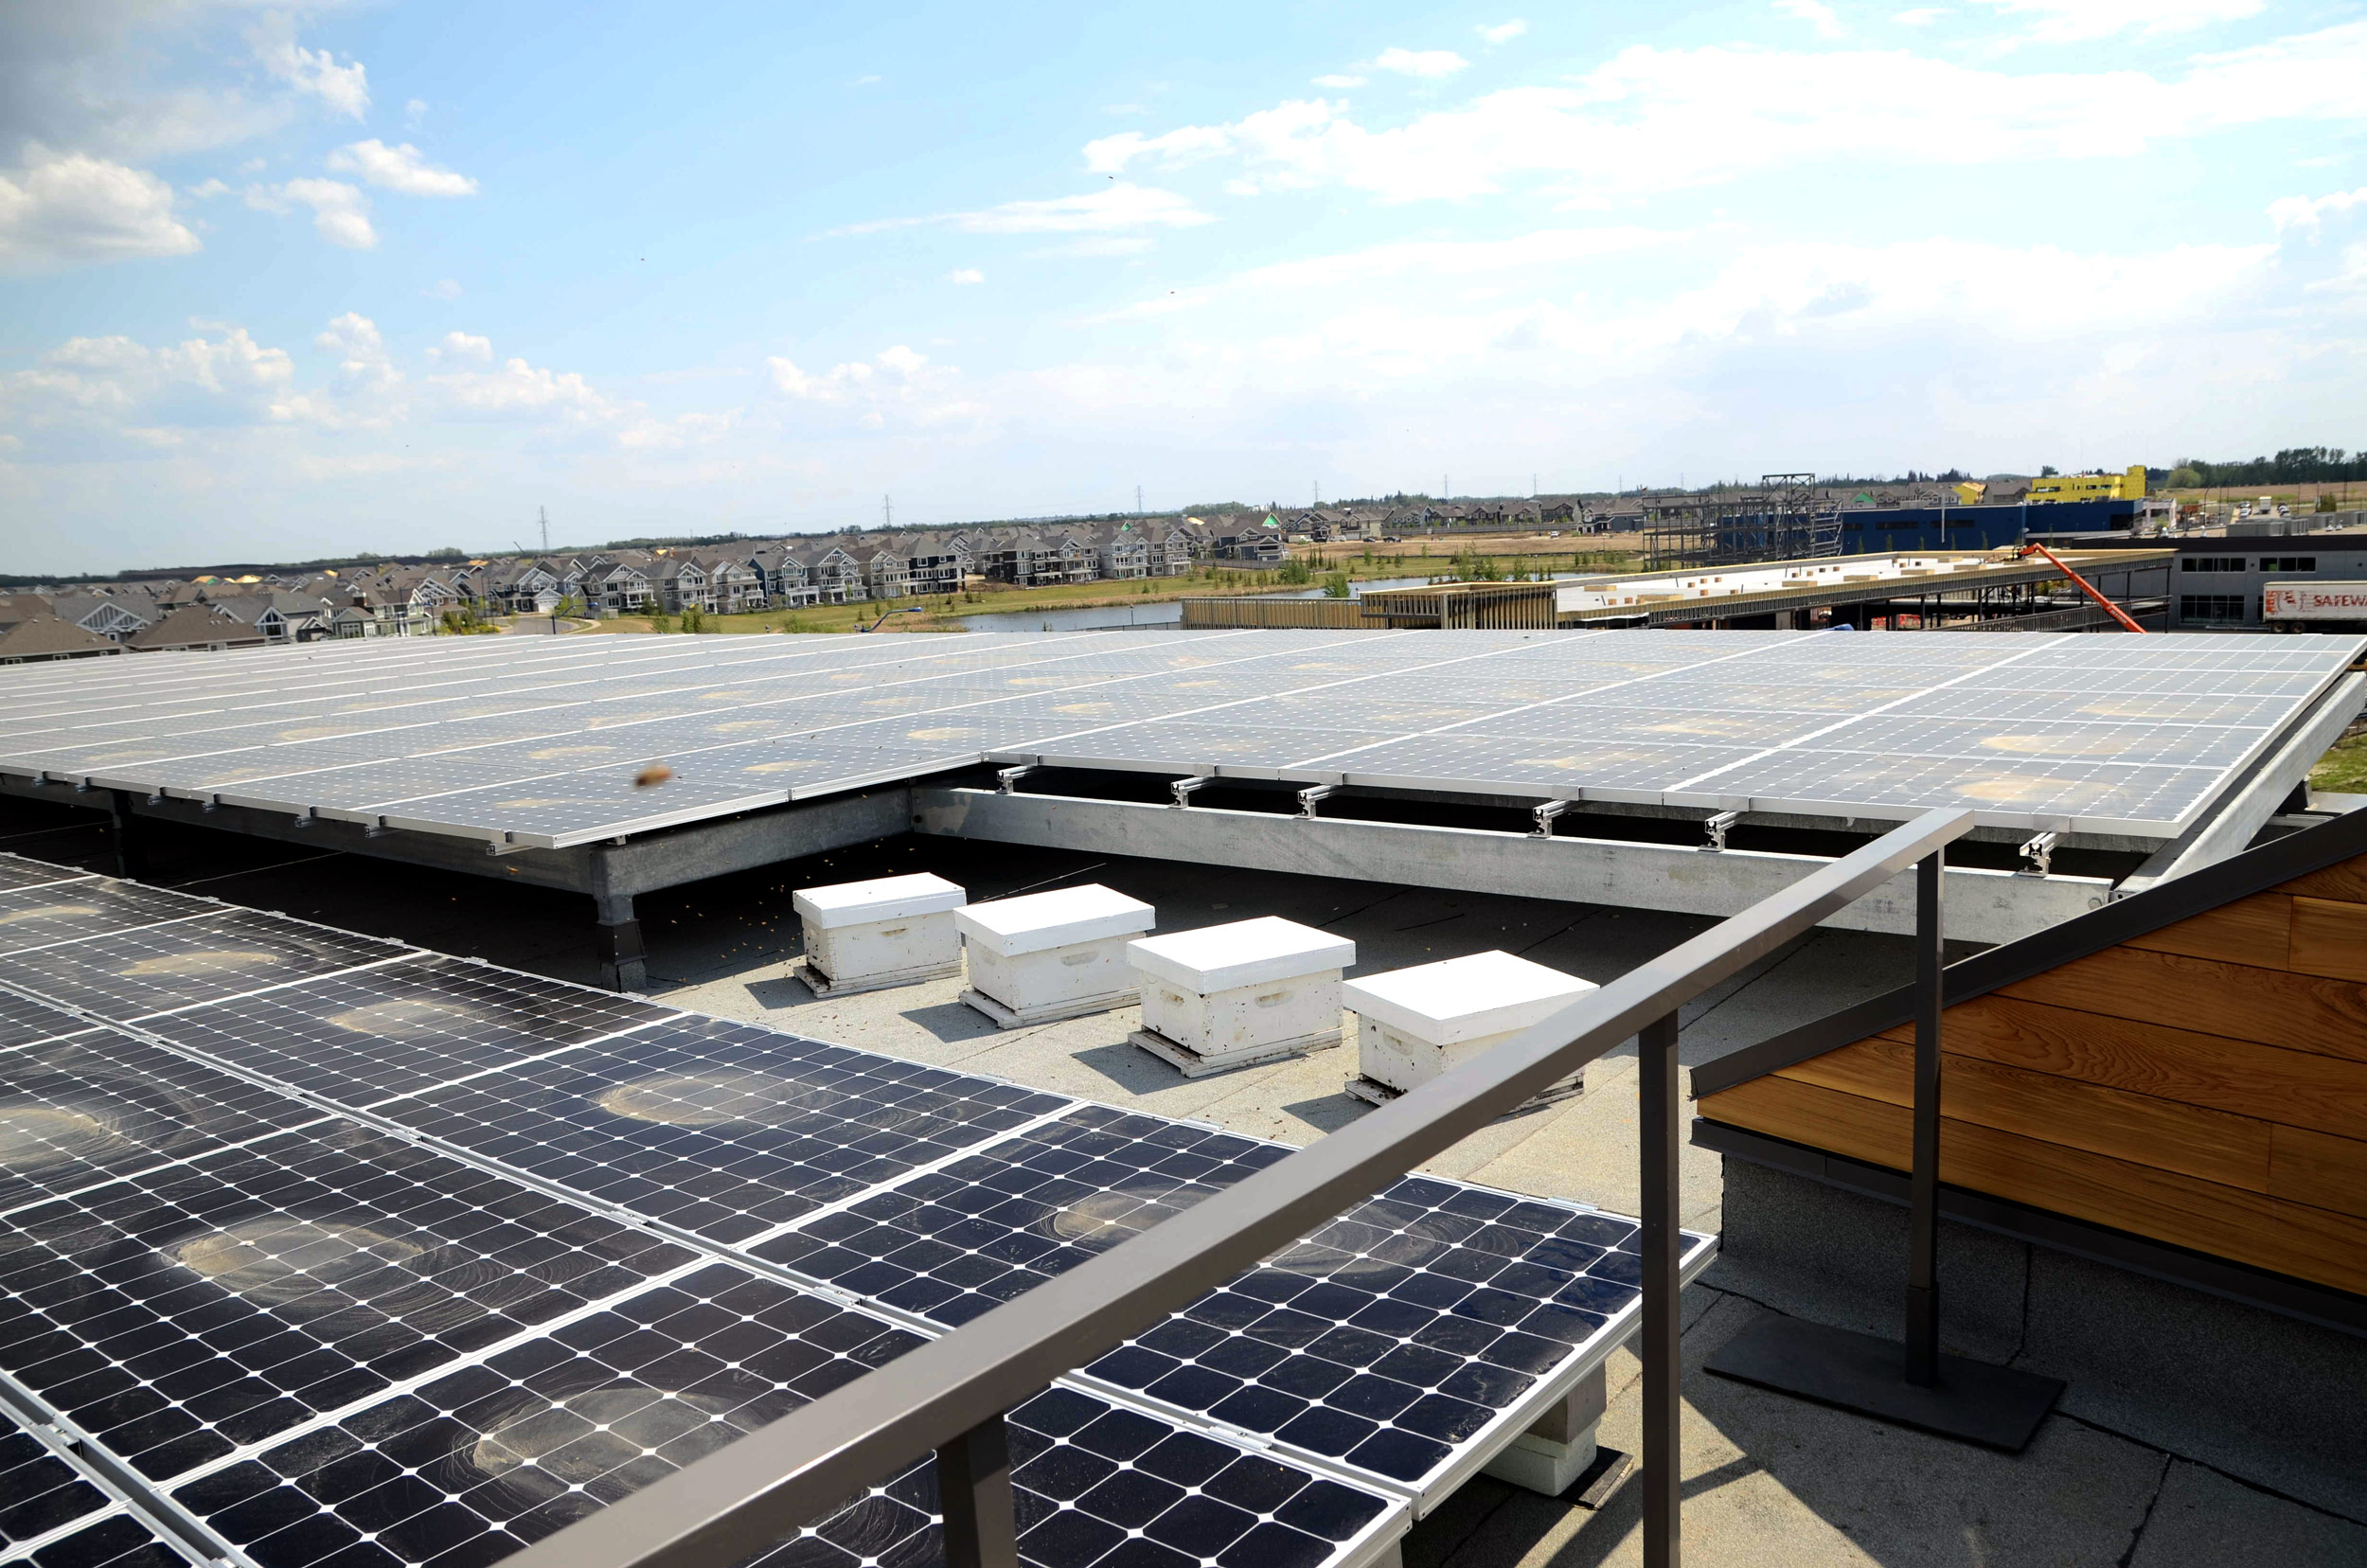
x,y
1115,206
1503,32
344,88
1654,120
447,288
1336,80
1922,16
341,214
1815,12
463,345
898,383
206,190
71,209
518,391
123,387
1428,63
964,274
2078,21
1101,244
414,113
864,81
2304,212
402,168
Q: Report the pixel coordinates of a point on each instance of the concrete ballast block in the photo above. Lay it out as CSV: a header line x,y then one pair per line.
x,y
1232,995
1048,956
1415,1023
889,931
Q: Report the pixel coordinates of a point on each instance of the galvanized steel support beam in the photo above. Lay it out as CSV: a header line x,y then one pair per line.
x,y
1985,906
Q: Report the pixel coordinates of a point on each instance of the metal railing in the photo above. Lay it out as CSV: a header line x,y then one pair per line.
x,y
950,1395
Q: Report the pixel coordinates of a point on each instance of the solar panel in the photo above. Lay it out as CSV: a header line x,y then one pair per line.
x,y
43,1497
1398,1340
26,1022
263,1305
725,1130
66,911
115,1539
491,1456
401,1027
543,750
220,953
17,872
76,1112
181,1313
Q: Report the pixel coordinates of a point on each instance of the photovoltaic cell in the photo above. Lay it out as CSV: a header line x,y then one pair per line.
x,y
26,1022
397,1029
16,871
129,974
118,1540
725,1128
1388,1341
76,1112
39,917
494,1455
180,1314
41,1495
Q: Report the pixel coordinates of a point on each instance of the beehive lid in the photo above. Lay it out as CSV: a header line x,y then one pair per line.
x,y
1460,999
1035,923
879,899
1244,953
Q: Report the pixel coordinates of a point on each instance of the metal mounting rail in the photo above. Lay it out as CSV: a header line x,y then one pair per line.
x,y
949,1393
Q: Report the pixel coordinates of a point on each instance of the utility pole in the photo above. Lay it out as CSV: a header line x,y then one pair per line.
x,y
1446,487
887,510
1138,500
542,515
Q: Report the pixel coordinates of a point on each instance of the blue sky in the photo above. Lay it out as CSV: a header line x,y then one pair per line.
x,y
377,276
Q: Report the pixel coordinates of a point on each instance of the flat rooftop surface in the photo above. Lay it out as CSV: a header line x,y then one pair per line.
x,y
1769,1480
558,742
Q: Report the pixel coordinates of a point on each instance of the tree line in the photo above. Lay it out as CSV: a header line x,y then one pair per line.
x,y
2292,465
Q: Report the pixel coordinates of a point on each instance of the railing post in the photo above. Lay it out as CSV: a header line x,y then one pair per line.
x,y
1657,1110
975,1493
1923,1202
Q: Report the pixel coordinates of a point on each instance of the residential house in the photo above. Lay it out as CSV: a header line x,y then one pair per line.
x,y
733,587
49,636
196,628
938,562
114,616
679,583
782,575
1125,549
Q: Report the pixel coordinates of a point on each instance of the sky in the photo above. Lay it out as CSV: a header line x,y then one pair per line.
x,y
289,281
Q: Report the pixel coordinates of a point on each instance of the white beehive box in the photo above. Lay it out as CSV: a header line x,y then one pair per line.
x,y
1416,1024
1232,995
1047,955
867,935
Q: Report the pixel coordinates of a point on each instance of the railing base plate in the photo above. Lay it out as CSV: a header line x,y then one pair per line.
x,y
1974,1401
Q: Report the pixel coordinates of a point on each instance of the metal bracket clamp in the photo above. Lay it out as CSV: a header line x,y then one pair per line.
x,y
1545,812
2039,852
1716,827
1314,793
1181,789
1006,779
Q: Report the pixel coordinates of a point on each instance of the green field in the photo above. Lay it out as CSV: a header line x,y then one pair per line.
x,y
2344,769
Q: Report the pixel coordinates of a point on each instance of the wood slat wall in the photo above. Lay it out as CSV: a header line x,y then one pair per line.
x,y
2205,1085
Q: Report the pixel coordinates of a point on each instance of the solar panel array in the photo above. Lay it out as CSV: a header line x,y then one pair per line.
x,y
340,1252
543,741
